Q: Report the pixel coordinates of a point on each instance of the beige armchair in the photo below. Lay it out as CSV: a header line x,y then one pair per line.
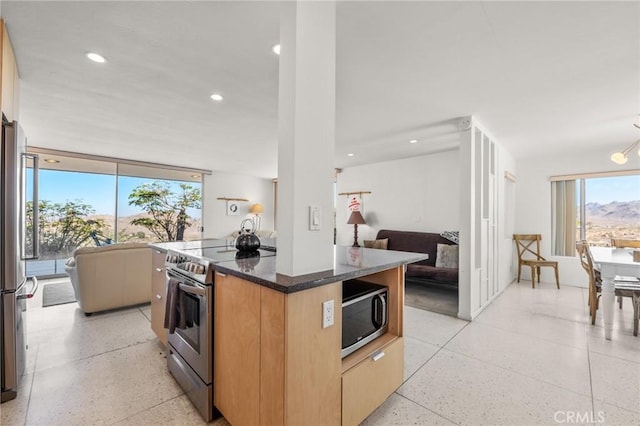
x,y
111,276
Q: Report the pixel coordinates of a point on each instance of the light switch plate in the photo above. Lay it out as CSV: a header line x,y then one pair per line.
x,y
314,218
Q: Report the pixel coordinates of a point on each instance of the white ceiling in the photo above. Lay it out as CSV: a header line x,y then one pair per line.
x,y
543,77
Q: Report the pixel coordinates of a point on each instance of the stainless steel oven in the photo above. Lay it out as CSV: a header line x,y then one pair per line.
x,y
189,318
193,341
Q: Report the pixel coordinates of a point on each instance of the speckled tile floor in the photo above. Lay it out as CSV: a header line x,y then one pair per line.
x,y
530,358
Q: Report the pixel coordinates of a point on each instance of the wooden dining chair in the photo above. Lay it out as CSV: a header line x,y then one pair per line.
x,y
619,243
595,282
623,288
622,243
528,246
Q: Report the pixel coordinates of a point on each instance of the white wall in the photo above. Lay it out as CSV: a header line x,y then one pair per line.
x,y
413,194
507,200
533,202
257,190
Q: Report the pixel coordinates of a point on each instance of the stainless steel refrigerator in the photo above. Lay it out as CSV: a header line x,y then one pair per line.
x,y
15,287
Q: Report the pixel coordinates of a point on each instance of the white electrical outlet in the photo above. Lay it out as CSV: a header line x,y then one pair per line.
x,y
327,313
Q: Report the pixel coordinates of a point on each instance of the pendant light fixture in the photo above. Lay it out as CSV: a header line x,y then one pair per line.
x,y
622,157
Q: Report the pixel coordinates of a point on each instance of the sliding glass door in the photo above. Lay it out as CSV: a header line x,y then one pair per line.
x,y
88,202
77,208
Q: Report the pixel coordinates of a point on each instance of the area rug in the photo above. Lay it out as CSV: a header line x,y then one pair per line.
x,y
57,294
431,297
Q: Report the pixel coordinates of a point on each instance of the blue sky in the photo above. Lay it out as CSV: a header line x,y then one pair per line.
x,y
606,190
98,190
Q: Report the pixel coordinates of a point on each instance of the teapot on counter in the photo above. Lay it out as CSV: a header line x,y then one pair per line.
x,y
247,241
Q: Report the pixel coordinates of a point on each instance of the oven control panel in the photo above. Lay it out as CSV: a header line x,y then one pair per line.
x,y
194,267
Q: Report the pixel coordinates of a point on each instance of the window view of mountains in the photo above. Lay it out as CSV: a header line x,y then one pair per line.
x,y
612,220
625,211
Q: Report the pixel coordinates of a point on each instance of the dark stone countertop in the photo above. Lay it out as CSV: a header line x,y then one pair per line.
x,y
349,263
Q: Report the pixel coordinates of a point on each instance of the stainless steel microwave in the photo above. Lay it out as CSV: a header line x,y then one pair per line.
x,y
364,314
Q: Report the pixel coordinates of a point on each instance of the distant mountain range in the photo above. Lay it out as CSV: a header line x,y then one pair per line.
x,y
615,211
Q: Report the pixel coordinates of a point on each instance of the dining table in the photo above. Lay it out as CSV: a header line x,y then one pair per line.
x,y
612,262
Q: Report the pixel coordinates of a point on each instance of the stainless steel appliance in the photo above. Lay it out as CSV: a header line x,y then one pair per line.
x,y
190,343
364,314
13,253
190,337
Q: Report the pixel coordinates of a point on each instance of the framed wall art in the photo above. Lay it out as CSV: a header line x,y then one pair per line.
x,y
233,208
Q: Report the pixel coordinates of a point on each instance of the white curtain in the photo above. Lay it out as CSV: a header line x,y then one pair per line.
x,y
564,217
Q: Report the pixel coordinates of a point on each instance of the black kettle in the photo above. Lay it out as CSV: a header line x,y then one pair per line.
x,y
247,241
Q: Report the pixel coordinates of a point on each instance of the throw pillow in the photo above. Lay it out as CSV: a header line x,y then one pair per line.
x,y
453,236
447,256
377,244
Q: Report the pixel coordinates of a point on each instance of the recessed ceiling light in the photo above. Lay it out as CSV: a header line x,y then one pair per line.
x,y
217,97
50,160
351,154
413,141
276,49
95,57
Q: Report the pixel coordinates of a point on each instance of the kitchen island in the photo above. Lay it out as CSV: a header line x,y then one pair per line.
x,y
275,363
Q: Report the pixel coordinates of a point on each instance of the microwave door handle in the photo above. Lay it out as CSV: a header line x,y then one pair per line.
x,y
383,303
192,290
379,310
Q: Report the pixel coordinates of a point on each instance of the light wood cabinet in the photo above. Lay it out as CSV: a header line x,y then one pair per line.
x,y
237,350
274,364
367,385
9,88
158,295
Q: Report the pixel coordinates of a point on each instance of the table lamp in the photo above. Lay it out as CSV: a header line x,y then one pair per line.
x,y
356,219
256,209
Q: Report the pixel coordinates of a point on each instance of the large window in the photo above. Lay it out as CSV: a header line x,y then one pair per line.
x,y
595,208
85,201
156,205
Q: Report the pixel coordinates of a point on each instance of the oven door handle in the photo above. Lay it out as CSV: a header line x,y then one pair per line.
x,y
193,290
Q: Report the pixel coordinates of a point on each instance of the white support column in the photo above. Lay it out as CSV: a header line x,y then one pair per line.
x,y
306,132
467,222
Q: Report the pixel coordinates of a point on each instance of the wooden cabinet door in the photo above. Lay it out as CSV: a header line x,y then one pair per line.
x,y
367,385
10,81
158,295
237,350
